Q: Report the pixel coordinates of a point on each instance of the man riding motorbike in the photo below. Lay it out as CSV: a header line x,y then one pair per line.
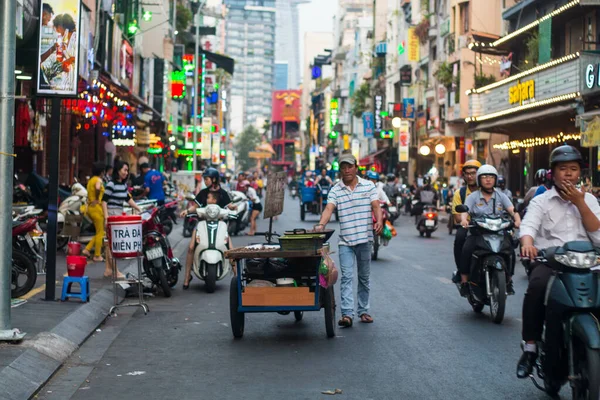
x,y
540,179
485,201
425,195
562,214
374,177
502,187
391,188
469,171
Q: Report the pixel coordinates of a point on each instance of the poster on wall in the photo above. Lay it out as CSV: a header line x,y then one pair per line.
x,y
58,51
403,141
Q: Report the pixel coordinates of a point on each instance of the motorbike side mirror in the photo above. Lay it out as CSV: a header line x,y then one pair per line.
x,y
462,208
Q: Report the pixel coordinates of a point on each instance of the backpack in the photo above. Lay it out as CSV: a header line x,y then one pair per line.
x,y
463,194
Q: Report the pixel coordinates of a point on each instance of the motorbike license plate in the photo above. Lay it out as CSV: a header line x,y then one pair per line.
x,y
393,209
429,222
29,241
154,253
324,192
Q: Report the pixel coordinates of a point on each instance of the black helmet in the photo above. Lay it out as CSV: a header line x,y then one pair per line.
x,y
213,174
426,180
391,177
564,154
540,176
501,180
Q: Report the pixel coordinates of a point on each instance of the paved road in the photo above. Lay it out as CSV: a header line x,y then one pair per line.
x,y
426,342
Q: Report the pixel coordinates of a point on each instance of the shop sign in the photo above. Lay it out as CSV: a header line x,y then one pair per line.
x,y
521,92
126,64
216,149
403,141
368,124
205,146
590,133
406,75
413,45
355,148
58,50
408,108
378,108
421,124
124,142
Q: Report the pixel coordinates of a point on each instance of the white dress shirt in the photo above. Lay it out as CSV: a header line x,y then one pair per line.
x,y
553,221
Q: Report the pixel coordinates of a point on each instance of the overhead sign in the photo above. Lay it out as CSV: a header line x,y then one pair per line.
x,y
408,108
403,141
368,124
58,49
275,194
413,45
205,146
378,108
406,75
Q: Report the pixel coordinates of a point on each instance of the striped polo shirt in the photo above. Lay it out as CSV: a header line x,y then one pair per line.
x,y
354,210
115,194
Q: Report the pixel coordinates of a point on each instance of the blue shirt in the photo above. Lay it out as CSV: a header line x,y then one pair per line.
x,y
154,181
540,190
354,210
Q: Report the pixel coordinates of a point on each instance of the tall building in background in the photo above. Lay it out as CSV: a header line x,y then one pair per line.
x,y
282,73
287,42
250,40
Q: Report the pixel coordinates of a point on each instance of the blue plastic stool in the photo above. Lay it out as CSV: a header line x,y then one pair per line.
x,y
84,284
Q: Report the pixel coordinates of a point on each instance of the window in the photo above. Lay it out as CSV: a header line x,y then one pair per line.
x,y
464,17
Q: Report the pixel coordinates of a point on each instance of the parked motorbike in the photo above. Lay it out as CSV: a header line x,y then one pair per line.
x,y
490,264
210,265
33,243
160,266
240,217
25,253
71,207
427,221
570,348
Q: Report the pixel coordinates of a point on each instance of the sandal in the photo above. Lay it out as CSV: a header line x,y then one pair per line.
x,y
366,318
345,321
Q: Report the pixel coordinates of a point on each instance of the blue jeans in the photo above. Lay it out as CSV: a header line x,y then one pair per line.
x,y
350,256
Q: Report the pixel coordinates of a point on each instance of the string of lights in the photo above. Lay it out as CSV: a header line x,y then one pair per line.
x,y
537,141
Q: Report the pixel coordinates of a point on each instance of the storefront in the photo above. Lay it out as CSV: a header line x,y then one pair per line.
x,y
538,109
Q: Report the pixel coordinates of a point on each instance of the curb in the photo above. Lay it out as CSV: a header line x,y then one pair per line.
x,y
47,351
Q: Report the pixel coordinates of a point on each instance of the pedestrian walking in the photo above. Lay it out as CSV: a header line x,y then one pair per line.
x,y
356,200
95,190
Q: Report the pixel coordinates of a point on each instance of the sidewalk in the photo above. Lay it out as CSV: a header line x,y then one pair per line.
x,y
54,329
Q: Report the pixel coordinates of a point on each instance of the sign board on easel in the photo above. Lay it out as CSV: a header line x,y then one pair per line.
x,y
276,184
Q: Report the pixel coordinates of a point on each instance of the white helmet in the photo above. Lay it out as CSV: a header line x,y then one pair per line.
x,y
486,169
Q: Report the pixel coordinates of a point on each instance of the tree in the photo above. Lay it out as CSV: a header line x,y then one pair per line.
x,y
247,142
359,100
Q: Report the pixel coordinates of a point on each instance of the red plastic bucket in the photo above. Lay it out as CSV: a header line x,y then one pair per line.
x,y
76,265
125,235
74,248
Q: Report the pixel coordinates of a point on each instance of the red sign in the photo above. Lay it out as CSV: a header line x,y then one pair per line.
x,y
286,105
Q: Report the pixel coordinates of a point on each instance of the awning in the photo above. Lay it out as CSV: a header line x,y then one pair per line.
x,y
503,125
222,61
370,159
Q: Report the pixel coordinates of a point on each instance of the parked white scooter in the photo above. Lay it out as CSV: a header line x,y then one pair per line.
x,y
71,206
240,217
210,264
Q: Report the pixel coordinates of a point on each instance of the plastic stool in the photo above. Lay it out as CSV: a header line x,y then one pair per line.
x,y
84,284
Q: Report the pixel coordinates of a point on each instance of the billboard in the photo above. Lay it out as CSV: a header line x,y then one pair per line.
x,y
58,51
403,141
286,105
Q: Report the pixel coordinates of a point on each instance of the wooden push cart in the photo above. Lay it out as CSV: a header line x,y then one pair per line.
x,y
255,265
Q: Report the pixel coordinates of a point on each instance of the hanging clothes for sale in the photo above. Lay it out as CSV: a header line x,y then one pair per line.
x,y
23,122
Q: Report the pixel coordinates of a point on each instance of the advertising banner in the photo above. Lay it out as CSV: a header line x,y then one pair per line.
x,y
408,108
413,45
403,141
368,124
58,51
205,146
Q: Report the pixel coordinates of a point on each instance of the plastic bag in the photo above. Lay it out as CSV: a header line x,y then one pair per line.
x,y
391,228
386,233
328,273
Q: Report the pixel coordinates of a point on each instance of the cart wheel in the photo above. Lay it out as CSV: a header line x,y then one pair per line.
x,y
298,315
302,212
329,306
237,318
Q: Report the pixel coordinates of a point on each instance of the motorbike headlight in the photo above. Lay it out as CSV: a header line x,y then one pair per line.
x,y
494,224
212,212
578,260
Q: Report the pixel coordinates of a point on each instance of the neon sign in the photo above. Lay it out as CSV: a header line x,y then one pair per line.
x,y
178,85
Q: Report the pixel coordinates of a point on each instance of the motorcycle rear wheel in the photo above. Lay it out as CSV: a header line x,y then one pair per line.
x,y
22,265
328,298
168,226
211,278
498,298
375,248
302,212
588,369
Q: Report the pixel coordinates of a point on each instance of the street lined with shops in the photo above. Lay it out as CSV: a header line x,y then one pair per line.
x,y
426,341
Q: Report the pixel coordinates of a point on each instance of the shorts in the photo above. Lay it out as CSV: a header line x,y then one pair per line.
x,y
257,207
